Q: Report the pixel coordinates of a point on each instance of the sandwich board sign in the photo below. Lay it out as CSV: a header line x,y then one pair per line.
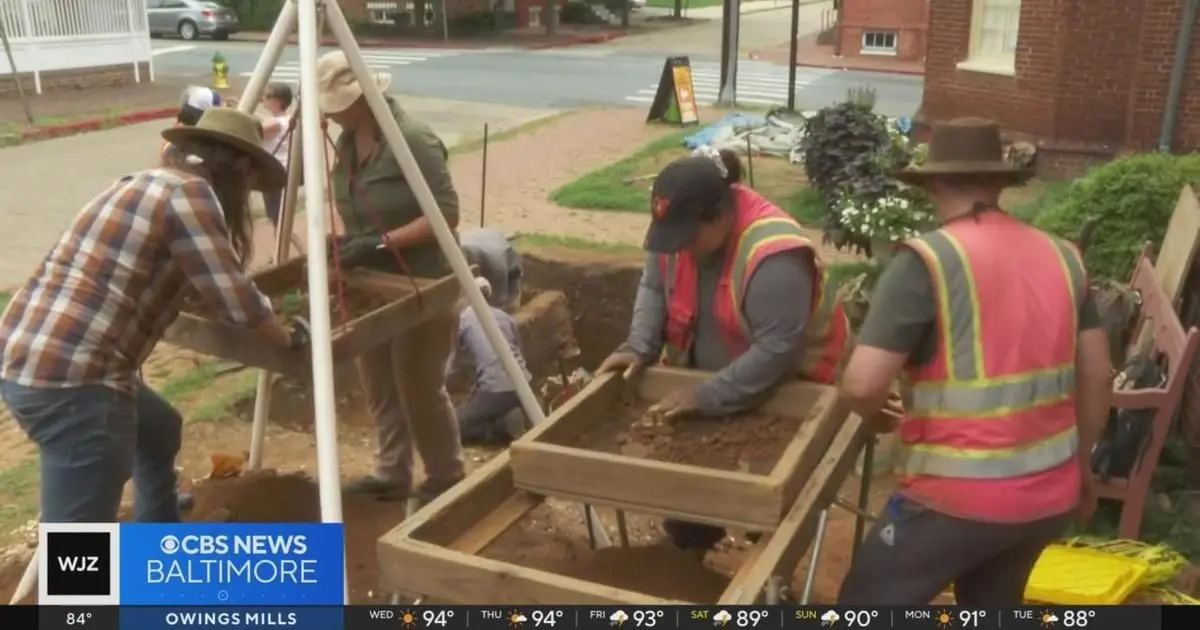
x,y
675,100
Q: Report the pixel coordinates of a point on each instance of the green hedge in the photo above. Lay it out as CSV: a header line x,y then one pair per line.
x,y
1133,197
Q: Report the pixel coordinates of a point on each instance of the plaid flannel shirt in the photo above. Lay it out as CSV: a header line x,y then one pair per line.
x,y
104,295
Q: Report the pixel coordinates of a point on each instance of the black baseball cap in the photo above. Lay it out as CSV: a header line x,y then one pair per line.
x,y
683,191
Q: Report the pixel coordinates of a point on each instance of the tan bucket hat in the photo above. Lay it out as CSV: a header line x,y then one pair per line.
x,y
965,146
337,87
239,131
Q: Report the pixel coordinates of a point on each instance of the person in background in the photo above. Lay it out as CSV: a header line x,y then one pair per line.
x,y
75,335
386,230
192,104
491,251
277,100
1007,380
492,414
730,285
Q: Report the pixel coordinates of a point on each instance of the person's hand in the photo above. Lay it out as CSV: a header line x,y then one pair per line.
x,y
680,402
628,364
299,332
1088,499
889,417
352,249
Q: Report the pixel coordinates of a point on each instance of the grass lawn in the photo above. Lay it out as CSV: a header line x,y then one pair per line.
x,y
624,185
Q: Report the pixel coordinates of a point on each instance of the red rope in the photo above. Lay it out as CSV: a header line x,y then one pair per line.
x,y
376,219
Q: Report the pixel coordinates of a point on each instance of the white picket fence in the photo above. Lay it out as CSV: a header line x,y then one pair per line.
x,y
49,35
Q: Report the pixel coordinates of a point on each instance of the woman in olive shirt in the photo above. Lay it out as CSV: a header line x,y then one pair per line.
x,y
403,379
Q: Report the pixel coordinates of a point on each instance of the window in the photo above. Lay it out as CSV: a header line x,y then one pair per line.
x,y
879,42
994,30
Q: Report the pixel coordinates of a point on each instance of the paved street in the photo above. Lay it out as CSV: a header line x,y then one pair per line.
x,y
622,73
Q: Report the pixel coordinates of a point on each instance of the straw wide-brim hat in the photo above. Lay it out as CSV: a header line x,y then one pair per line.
x,y
337,87
240,131
965,146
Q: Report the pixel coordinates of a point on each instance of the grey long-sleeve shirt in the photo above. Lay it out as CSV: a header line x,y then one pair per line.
x,y
489,372
777,305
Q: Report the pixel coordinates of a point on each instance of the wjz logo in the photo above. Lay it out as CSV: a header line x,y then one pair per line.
x,y
78,563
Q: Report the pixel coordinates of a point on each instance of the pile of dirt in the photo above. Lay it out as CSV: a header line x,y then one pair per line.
x,y
748,442
657,570
269,497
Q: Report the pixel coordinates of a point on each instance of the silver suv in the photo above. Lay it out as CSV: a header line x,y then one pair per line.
x,y
190,19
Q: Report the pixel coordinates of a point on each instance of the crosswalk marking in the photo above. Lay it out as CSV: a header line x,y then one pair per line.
x,y
756,84
376,61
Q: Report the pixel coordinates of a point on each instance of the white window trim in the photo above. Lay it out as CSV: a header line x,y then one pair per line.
x,y
881,52
1005,65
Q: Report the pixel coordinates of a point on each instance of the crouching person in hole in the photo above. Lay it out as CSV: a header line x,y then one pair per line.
x,y
730,285
76,333
492,414
386,230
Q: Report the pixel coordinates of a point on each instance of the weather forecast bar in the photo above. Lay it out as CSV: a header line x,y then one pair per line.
x,y
597,618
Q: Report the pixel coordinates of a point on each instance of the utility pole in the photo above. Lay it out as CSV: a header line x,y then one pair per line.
x,y
730,26
792,51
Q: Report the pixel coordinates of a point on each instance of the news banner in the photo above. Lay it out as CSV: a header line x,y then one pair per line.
x,y
291,576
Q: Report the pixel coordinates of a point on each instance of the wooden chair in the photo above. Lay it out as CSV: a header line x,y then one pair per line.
x,y
1176,347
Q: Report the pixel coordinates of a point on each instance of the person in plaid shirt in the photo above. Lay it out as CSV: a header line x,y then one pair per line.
x,y
75,335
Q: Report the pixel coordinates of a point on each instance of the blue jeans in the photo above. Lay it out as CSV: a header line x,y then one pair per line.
x,y
92,439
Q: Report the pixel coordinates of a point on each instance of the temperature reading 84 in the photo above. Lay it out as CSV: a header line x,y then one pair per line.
x,y
749,618
78,619
440,618
646,618
545,618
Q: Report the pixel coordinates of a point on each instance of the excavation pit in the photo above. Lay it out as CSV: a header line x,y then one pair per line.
x,y
486,542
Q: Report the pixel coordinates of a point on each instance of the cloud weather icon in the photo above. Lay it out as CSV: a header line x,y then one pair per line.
x,y
520,618
722,618
617,618
829,618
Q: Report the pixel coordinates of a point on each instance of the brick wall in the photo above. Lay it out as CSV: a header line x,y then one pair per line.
x,y
907,18
1091,77
356,10
76,79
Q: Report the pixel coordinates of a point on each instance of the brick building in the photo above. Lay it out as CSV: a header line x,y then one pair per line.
x,y
888,28
1088,79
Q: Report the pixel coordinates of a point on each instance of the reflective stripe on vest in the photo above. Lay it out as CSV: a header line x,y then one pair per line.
x,y
942,461
967,393
757,239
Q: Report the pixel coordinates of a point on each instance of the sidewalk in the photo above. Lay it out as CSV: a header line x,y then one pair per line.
x,y
811,54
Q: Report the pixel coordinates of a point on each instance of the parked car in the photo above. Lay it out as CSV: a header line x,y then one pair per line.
x,y
190,19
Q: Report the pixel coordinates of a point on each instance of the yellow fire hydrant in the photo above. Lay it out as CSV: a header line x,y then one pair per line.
x,y
220,72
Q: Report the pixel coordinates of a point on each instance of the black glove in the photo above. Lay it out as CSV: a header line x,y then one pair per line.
x,y
300,333
353,249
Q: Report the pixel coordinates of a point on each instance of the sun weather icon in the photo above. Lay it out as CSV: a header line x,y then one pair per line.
x,y
516,619
943,618
407,619
1048,619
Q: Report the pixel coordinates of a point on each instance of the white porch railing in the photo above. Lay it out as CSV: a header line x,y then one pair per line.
x,y
49,35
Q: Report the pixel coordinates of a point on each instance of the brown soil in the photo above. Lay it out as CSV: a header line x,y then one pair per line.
x,y
654,569
346,303
268,497
749,442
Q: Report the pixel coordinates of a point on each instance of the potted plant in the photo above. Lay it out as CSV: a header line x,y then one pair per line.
x,y
886,220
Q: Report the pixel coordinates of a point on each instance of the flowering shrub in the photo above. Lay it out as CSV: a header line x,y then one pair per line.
x,y
893,218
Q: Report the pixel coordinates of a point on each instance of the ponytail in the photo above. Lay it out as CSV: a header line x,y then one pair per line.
x,y
727,162
733,166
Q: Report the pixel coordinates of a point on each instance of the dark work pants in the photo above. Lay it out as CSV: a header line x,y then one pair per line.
x,y
273,203
913,553
480,417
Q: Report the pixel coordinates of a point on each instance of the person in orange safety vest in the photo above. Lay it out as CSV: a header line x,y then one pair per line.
x,y
733,286
1005,378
